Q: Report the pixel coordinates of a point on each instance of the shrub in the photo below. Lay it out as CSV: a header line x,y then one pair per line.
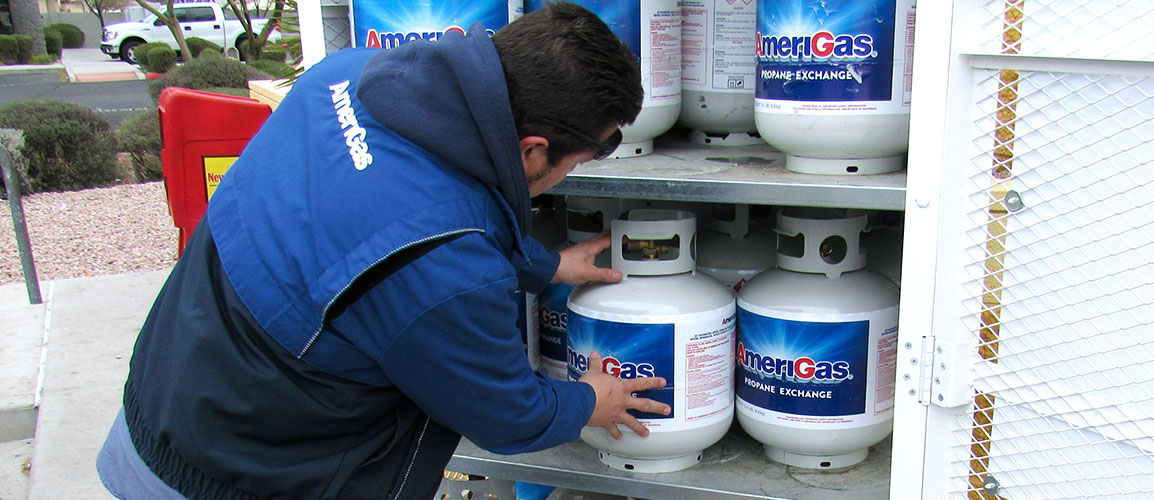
x,y
276,69
246,46
72,36
272,52
9,50
44,59
68,146
140,53
197,46
13,141
53,42
159,59
209,52
139,136
228,91
24,42
205,73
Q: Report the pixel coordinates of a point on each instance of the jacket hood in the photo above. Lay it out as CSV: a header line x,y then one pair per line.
x,y
450,98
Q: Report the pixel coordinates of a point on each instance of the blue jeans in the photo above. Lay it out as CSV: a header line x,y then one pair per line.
x,y
122,471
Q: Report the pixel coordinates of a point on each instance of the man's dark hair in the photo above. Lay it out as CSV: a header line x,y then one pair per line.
x,y
562,63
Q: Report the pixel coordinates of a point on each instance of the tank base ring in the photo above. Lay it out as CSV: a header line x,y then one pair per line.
x,y
650,465
731,139
844,166
633,149
839,461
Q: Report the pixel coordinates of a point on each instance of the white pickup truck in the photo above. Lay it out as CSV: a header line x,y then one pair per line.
x,y
201,20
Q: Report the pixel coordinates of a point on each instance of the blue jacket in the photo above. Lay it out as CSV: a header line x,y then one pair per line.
x,y
366,246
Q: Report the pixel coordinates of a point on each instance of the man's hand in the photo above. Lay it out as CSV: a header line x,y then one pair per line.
x,y
577,267
615,395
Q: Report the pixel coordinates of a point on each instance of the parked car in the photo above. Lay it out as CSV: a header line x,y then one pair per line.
x,y
202,20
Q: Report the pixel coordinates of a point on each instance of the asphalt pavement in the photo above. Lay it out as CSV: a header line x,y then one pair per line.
x,y
83,76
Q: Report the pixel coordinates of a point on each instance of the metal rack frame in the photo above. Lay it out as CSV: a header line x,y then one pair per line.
x,y
735,467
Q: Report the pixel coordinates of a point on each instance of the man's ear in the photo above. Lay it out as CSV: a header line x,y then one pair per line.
x,y
534,155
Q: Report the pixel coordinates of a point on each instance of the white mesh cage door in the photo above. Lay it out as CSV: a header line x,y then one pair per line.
x,y
1057,286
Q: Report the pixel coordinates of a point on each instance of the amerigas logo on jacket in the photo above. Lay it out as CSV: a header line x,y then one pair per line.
x,y
354,133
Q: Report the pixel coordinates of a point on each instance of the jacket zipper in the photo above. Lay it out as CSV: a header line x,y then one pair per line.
x,y
325,312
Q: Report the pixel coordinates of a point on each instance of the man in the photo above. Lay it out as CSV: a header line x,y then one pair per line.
x,y
345,311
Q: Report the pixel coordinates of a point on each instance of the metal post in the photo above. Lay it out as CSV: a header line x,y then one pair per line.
x,y
22,242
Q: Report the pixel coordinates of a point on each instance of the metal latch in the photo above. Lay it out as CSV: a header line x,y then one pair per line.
x,y
945,372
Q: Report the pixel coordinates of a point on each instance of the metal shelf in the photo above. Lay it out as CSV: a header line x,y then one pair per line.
x,y
681,171
734,468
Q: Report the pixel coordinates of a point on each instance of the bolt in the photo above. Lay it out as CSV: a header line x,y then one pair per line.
x,y
941,397
909,345
906,377
1013,201
913,392
990,486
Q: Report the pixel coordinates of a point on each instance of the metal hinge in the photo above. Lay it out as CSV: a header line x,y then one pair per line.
x,y
945,373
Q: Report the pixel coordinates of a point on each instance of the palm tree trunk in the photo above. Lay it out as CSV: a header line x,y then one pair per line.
x,y
26,21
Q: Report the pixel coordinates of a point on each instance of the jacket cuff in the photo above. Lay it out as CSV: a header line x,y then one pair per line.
x,y
536,273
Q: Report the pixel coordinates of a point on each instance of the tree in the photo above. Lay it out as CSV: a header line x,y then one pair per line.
x,y
256,41
26,21
99,7
169,19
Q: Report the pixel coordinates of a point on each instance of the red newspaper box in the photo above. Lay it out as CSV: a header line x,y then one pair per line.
x,y
202,134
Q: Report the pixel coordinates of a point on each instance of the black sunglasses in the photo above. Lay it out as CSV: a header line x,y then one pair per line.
x,y
604,149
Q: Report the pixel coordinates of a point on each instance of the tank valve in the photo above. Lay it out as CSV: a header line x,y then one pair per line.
x,y
649,249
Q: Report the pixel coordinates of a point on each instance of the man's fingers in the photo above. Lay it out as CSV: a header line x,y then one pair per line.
x,y
600,242
613,431
635,425
644,383
649,406
595,361
609,276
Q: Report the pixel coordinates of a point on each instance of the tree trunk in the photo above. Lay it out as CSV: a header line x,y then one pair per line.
x,y
26,21
169,19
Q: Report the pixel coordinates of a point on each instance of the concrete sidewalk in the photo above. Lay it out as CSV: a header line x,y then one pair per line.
x,y
62,370
82,65
92,65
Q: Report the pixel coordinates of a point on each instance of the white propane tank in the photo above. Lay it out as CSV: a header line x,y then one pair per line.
x,y
387,24
652,30
585,217
833,87
733,251
718,71
662,320
817,345
527,314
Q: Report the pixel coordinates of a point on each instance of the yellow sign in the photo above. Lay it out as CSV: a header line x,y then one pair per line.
x,y
214,169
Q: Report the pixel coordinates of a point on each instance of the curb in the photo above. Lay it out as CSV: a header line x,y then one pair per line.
x,y
23,69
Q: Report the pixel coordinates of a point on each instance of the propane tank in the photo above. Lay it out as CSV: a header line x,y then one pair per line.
x,y
817,345
833,89
662,320
718,72
387,24
652,30
548,221
733,251
585,217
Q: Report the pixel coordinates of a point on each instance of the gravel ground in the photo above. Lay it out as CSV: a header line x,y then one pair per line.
x,y
110,230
